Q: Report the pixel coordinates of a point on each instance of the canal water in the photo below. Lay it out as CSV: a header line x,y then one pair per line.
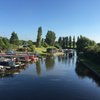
x,y
52,78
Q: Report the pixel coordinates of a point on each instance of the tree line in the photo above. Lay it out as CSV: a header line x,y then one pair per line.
x,y
89,49
14,43
82,44
49,40
67,42
6,43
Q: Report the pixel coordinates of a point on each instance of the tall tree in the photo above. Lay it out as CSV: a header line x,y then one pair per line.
x,y
60,41
84,43
67,42
78,38
14,39
38,42
50,38
70,41
64,43
42,42
74,42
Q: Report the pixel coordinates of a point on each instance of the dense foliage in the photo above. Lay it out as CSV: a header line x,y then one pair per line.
x,y
4,43
67,42
83,43
14,39
90,49
38,42
74,43
50,38
15,44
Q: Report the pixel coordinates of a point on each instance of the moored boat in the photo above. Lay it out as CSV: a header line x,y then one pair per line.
x,y
23,58
8,63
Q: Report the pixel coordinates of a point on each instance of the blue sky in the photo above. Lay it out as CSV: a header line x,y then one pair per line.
x,y
64,17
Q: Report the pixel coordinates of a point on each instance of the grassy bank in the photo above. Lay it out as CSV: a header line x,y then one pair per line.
x,y
41,51
91,65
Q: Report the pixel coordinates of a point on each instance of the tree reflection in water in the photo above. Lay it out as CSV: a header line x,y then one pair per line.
x,y
82,71
38,67
66,59
49,62
63,58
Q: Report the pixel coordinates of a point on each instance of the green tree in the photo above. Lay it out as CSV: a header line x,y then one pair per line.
x,y
64,43
57,45
2,45
30,43
78,38
32,48
74,43
42,42
67,42
98,44
60,41
70,41
83,43
38,42
6,42
14,39
50,38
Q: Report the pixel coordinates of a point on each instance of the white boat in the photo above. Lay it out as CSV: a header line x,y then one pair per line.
x,y
1,67
8,63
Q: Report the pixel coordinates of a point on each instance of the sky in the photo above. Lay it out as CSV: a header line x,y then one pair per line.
x,y
64,17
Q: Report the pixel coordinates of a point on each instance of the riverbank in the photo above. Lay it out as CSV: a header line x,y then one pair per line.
x,y
58,53
95,68
49,54
43,52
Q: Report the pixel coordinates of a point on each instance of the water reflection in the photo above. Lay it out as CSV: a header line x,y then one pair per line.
x,y
63,59
12,72
84,72
60,83
38,67
66,59
49,62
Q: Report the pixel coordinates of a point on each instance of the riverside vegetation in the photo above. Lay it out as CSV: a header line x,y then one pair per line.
x,y
40,45
87,49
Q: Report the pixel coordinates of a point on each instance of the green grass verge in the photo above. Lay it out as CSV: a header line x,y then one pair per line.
x,y
91,64
41,51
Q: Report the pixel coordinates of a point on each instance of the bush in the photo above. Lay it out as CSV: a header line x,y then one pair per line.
x,y
57,46
32,48
93,53
45,44
51,50
21,49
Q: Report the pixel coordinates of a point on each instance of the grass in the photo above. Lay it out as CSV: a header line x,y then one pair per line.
x,y
91,64
41,51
